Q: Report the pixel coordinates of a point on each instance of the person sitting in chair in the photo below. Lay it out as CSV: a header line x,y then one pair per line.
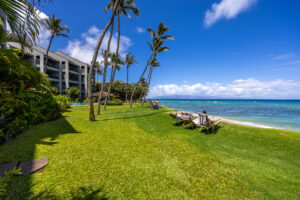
x,y
156,104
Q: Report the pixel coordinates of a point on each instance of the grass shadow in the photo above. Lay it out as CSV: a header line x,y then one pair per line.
x,y
23,148
133,117
84,193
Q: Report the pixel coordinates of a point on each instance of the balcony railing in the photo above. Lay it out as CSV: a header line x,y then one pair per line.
x,y
71,71
52,68
71,81
54,79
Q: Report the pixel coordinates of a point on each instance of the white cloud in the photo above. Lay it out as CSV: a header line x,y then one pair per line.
x,y
284,56
226,9
83,48
43,39
140,30
248,88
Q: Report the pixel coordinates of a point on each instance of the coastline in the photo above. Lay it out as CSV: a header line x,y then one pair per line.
x,y
230,121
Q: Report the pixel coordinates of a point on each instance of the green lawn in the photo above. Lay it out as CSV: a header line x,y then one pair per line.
x,y
140,154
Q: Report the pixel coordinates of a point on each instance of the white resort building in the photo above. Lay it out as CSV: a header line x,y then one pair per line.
x,y
63,71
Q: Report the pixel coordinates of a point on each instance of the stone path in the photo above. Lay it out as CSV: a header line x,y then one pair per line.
x,y
26,167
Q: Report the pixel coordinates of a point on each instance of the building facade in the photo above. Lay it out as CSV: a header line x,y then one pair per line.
x,y
63,71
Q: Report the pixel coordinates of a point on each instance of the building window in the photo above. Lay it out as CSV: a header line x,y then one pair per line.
x,y
37,60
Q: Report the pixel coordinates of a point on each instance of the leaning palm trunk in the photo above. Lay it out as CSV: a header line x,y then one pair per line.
x,y
144,90
148,62
148,85
116,61
91,107
105,68
45,69
112,76
126,85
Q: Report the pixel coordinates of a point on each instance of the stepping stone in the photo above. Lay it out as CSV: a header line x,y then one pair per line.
x,y
29,167
6,167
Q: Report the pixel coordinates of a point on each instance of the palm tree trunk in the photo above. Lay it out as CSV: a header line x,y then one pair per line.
x,y
112,76
45,69
91,107
144,90
105,68
149,81
116,61
148,62
147,85
126,86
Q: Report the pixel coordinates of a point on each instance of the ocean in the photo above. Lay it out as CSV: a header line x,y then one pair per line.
x,y
284,114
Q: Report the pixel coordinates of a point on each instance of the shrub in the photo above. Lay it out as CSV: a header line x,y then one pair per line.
x,y
26,96
63,101
114,102
73,92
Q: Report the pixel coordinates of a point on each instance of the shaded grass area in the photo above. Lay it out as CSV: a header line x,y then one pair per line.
x,y
139,154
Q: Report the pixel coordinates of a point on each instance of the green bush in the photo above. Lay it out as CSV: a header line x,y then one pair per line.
x,y
26,96
73,92
63,101
114,102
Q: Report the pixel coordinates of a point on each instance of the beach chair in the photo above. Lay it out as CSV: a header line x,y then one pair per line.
x,y
205,123
180,120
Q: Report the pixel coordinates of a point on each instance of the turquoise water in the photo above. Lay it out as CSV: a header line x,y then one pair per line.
x,y
283,114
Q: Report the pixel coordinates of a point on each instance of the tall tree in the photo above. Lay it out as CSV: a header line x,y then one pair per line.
x,y
53,24
129,60
153,63
95,56
124,8
158,40
105,55
116,65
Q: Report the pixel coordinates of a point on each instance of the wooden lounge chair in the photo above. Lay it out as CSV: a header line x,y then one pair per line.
x,y
205,122
180,120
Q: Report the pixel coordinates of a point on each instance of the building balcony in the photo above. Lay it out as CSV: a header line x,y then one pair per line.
x,y
72,81
52,68
71,71
53,79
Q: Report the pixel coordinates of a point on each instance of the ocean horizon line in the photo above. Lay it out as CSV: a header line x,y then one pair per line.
x,y
230,99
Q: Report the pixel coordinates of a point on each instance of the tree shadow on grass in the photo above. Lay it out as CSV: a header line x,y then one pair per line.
x,y
134,116
23,148
81,194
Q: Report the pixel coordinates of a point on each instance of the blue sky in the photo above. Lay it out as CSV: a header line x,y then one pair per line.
x,y
223,48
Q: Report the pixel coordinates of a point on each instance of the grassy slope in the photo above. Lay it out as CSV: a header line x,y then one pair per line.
x,y
139,154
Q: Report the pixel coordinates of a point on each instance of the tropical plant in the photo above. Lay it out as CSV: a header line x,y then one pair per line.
x,y
95,56
124,8
158,40
26,96
153,63
105,62
129,60
116,63
53,24
73,93
22,19
63,101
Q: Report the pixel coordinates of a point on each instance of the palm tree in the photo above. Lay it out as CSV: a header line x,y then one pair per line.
x,y
54,26
153,63
158,40
129,60
123,8
95,56
105,55
22,19
116,62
